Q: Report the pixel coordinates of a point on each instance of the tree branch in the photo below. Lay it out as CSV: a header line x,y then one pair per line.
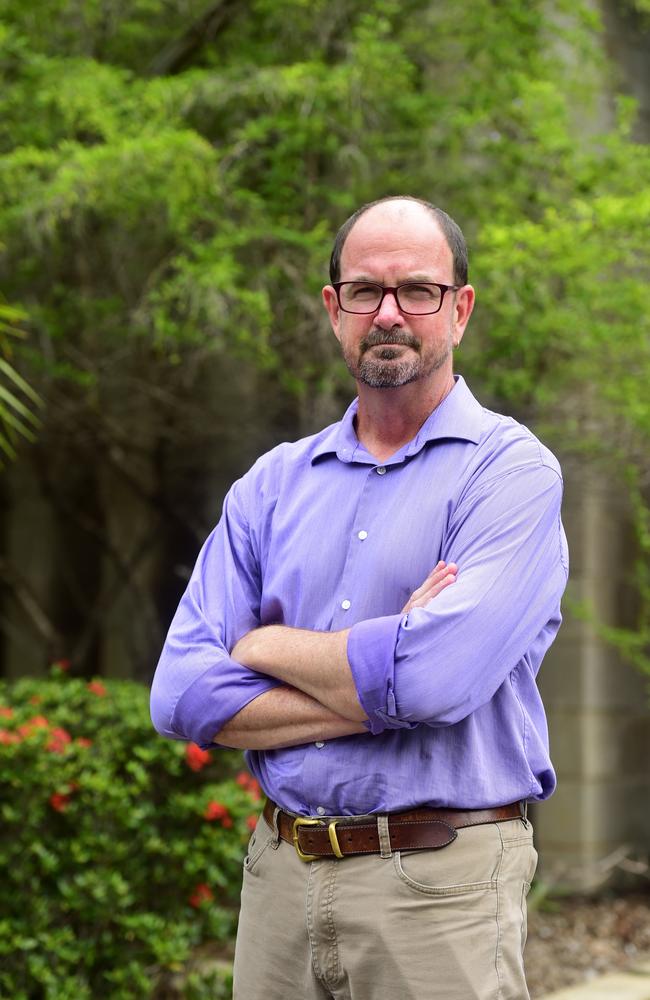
x,y
30,604
180,51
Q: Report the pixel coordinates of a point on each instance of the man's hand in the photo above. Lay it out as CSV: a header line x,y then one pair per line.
x,y
441,576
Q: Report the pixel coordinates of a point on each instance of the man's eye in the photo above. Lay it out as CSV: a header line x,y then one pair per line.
x,y
363,291
420,292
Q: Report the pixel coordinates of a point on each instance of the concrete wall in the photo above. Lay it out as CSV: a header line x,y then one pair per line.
x,y
597,705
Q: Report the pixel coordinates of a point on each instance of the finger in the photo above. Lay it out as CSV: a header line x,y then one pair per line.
x,y
436,586
441,585
423,599
437,573
436,577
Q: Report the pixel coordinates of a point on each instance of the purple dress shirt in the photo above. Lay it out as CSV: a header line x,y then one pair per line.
x,y
318,535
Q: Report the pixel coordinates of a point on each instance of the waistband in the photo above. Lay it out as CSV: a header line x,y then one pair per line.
x,y
414,830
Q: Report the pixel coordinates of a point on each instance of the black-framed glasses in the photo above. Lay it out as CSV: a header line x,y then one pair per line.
x,y
414,298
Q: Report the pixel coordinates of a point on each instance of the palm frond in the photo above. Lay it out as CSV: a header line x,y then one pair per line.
x,y
17,397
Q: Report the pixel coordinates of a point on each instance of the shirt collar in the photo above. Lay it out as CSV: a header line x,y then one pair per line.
x,y
458,417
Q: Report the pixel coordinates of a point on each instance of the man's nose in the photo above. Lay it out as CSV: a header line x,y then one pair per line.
x,y
388,314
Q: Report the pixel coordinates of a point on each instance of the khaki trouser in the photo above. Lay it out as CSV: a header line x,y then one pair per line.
x,y
449,924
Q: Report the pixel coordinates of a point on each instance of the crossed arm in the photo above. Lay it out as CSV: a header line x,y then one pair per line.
x,y
318,699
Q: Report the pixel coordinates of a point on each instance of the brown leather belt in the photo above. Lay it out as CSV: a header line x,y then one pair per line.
x,y
417,830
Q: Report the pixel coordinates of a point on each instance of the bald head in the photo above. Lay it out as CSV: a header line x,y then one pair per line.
x,y
402,207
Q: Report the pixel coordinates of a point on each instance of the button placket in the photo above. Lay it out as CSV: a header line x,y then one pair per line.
x,y
361,531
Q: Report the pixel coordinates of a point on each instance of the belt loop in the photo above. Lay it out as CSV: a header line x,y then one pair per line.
x,y
523,806
276,828
384,837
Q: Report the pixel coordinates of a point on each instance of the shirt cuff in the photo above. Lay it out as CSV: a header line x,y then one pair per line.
x,y
371,655
214,698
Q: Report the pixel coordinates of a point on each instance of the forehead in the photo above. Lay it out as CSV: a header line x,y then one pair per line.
x,y
394,238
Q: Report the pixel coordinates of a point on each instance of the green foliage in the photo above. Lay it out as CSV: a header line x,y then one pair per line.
x,y
201,205
568,298
120,851
642,6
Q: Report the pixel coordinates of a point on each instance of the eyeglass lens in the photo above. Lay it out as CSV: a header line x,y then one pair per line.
x,y
364,297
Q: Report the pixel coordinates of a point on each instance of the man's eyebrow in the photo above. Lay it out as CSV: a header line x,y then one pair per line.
x,y
420,276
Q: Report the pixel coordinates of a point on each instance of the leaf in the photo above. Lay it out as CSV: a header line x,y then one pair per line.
x,y
13,401
18,380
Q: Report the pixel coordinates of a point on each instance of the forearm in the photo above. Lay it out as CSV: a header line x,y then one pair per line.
x,y
314,662
284,717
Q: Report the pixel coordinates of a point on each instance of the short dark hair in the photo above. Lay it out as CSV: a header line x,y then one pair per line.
x,y
451,231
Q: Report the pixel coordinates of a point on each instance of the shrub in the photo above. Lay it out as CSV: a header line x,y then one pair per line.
x,y
120,851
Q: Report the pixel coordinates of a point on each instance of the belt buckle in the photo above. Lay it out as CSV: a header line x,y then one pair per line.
x,y
331,830
297,823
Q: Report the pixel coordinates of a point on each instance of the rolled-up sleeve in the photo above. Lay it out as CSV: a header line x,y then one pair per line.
x,y
438,664
197,686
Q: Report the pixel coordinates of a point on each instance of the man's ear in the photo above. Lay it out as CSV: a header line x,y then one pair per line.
x,y
331,303
463,306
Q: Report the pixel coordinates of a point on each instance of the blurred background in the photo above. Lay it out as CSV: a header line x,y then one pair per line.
x,y
172,175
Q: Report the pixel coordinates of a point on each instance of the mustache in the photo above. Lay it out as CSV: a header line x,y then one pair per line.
x,y
376,338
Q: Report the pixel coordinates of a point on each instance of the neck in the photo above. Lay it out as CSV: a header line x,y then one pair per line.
x,y
387,419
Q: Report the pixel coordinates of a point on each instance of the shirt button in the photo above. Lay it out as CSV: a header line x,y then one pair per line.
x,y
320,810
381,470
362,535
346,604
319,745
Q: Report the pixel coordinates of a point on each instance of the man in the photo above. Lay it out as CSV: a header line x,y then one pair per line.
x,y
394,724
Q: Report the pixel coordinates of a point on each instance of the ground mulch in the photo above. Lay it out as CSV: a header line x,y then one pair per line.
x,y
573,939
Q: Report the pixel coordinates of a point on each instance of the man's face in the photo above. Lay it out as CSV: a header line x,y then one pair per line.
x,y
394,243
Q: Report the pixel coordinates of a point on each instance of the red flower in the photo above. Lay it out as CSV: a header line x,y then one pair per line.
x,y
202,894
216,810
59,801
195,757
62,664
249,783
59,739
6,713
35,699
37,722
251,822
7,737
97,688
82,741
226,822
